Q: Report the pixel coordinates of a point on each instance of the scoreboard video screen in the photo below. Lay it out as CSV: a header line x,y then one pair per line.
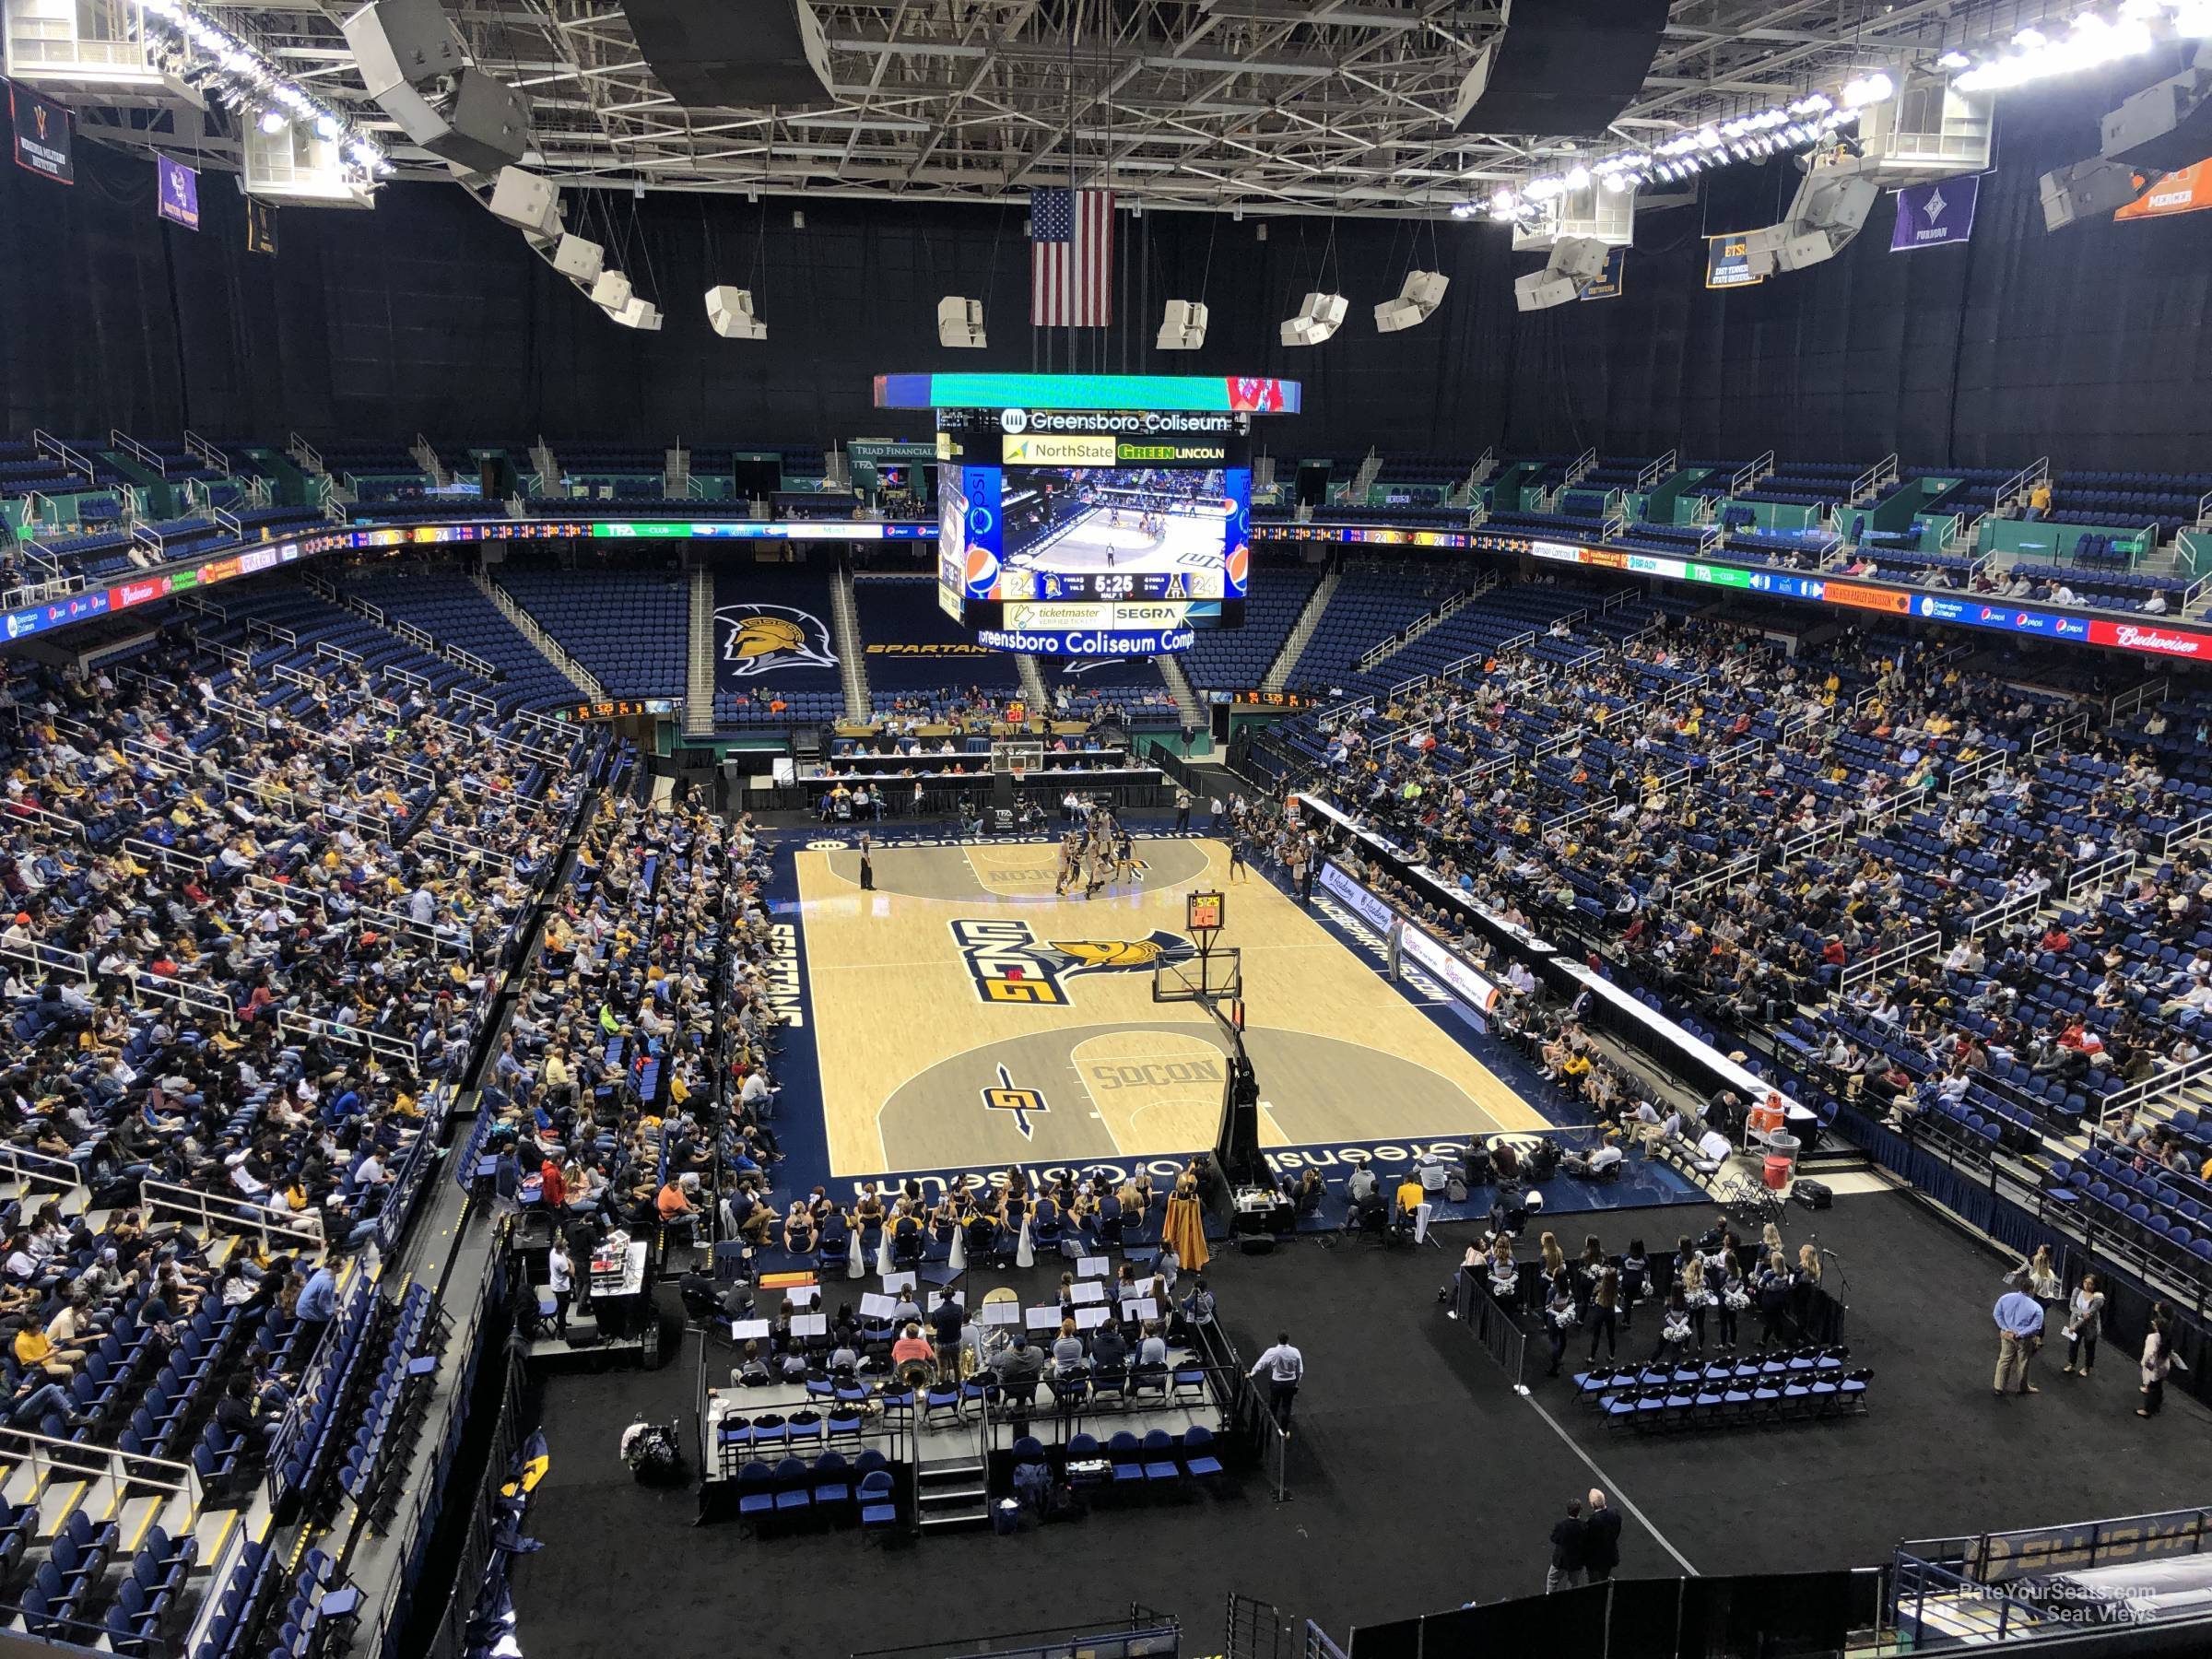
x,y
1073,533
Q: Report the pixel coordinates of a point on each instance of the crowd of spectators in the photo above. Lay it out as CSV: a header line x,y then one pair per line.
x,y
1914,871
257,926
633,1085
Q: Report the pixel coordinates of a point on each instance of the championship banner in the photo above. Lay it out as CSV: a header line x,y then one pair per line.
x,y
1934,214
42,133
2186,190
1728,261
179,199
261,227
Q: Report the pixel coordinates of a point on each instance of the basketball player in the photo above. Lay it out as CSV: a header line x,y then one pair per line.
x,y
1238,844
1124,858
1070,857
1101,868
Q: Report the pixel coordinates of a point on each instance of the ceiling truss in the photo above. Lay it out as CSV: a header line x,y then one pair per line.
x,y
1261,106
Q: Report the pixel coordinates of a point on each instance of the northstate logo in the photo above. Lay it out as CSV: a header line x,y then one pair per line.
x,y
761,638
1009,964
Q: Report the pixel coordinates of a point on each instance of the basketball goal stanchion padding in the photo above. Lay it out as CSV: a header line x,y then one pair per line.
x,y
1214,979
1012,758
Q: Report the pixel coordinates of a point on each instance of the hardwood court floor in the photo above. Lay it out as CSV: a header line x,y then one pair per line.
x,y
965,1017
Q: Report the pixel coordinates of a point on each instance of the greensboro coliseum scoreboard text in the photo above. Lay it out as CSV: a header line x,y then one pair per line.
x,y
1072,524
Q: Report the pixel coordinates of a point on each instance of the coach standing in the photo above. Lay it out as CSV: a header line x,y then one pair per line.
x,y
1601,1538
867,864
2019,1327
1286,1369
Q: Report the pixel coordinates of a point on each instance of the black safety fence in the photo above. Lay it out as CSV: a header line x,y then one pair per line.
x,y
1775,1615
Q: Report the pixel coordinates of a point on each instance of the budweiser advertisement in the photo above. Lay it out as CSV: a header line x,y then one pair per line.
x,y
2158,641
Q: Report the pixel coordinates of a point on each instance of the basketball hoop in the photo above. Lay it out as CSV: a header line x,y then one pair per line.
x,y
1016,757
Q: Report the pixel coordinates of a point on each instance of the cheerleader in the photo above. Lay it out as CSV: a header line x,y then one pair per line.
x,y
1588,1265
1695,1298
1504,1272
1635,1273
1605,1297
1559,1318
1773,1294
1673,1329
1555,1259
1731,1299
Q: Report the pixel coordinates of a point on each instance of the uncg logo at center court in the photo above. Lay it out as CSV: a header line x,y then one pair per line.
x,y
1011,964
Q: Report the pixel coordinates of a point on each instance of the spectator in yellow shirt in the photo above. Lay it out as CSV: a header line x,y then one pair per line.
x,y
34,1348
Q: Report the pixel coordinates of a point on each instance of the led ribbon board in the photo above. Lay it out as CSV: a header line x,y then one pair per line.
x,y
2150,639
1234,394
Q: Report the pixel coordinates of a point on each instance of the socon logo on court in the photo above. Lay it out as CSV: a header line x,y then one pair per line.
x,y
1011,964
761,638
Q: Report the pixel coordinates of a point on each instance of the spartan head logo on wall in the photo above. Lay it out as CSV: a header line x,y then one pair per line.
x,y
761,639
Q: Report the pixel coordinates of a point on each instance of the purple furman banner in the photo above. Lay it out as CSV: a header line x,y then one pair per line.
x,y
1935,216
180,192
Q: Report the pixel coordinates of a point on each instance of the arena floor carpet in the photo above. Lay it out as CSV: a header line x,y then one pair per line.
x,y
1418,1478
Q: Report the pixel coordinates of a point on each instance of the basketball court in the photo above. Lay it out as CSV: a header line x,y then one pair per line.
x,y
966,1017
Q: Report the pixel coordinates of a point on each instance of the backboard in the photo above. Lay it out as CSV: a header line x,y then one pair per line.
x,y
1217,976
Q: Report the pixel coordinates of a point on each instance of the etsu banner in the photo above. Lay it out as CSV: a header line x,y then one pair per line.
x,y
1934,215
42,133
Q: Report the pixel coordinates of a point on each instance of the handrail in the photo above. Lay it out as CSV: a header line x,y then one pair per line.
x,y
1724,876
1882,472
1747,475
140,848
390,1050
207,452
214,1209
185,995
71,1462
44,442
298,449
49,958
119,439
2155,1086
53,822
31,1167
1655,470
1891,957
2181,834
2129,702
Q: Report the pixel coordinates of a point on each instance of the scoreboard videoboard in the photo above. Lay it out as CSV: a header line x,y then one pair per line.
x,y
1071,529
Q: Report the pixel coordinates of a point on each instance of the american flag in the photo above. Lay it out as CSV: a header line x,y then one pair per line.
x,y
1071,258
